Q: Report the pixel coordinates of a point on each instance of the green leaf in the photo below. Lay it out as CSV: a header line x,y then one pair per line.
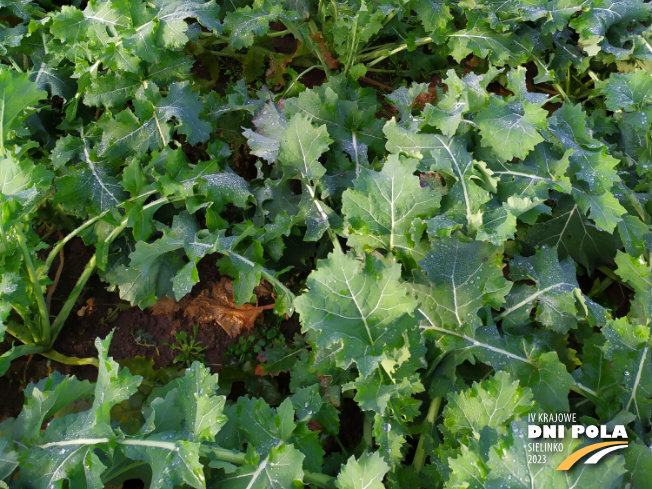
x,y
381,210
552,293
594,22
21,181
511,129
590,161
403,99
159,268
201,408
91,188
301,146
51,460
126,134
573,235
434,15
638,462
632,232
450,157
265,427
467,469
365,473
175,11
391,437
224,188
57,81
111,90
358,304
353,27
349,114
98,23
247,272
466,94
148,126
543,170
628,346
499,48
636,272
278,470
186,413
529,359
270,125
17,94
47,398
8,460
492,403
601,382
373,394
461,278
628,92
244,22
604,209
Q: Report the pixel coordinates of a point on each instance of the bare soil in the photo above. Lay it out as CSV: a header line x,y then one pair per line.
x,y
137,333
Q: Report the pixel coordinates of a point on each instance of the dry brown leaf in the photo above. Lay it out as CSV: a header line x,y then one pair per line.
x,y
278,66
87,309
165,306
214,305
330,61
425,98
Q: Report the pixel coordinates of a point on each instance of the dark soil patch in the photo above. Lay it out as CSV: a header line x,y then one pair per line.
x,y
313,78
137,333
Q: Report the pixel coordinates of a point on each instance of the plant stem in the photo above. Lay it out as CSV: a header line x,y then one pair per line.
x,y
366,433
428,423
380,70
279,33
297,78
44,337
383,53
66,360
604,285
582,390
635,203
60,244
16,352
319,480
72,298
612,275
227,455
2,228
227,54
561,91
353,48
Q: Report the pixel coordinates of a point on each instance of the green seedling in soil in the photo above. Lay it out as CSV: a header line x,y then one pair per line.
x,y
247,348
190,348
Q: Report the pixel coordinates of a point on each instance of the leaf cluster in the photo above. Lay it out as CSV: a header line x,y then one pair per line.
x,y
480,242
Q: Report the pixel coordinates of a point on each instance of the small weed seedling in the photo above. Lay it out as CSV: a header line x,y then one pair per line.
x,y
190,349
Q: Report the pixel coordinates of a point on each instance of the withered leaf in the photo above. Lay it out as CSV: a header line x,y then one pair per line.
x,y
330,61
215,305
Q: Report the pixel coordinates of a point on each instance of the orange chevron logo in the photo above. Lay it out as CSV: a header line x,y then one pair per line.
x,y
603,449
